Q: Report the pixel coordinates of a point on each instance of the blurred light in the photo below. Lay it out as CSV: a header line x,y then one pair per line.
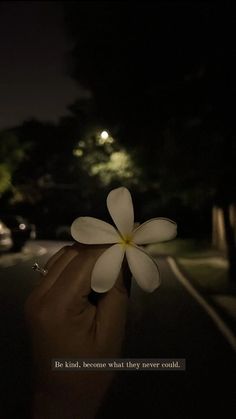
x,y
22,226
105,138
104,135
78,152
119,165
119,161
81,143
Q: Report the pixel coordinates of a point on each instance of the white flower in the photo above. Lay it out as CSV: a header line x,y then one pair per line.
x,y
125,240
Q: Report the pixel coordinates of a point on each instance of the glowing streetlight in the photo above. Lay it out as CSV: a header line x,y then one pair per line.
x,y
104,135
104,138
78,152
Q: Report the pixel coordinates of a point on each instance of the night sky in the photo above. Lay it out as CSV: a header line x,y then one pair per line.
x,y
33,80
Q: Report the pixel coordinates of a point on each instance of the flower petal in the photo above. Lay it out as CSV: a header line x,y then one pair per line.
x,y
144,269
120,207
89,230
107,268
155,230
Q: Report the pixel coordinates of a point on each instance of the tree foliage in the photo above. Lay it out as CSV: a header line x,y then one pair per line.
x,y
148,65
165,85
169,73
11,155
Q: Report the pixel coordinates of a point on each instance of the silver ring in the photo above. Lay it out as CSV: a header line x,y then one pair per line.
x,y
37,268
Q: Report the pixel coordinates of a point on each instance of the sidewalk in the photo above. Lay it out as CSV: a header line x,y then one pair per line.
x,y
209,276
31,248
206,269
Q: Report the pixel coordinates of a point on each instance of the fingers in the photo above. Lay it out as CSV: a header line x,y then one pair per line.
x,y
74,283
112,308
55,267
55,257
49,263
68,284
123,283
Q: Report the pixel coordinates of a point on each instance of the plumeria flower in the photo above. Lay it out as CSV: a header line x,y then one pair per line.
x,y
125,240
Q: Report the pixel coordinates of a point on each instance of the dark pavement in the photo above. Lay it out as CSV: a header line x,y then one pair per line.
x,y
169,323
166,324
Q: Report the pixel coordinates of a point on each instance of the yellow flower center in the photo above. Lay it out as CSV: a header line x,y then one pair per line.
x,y
126,241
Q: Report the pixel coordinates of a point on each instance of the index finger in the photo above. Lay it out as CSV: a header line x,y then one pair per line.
x,y
73,286
112,308
55,266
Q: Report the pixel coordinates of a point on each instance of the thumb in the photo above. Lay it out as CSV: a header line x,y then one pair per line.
x,y
123,283
112,309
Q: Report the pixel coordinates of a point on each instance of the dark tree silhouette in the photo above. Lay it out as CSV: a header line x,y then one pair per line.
x,y
165,78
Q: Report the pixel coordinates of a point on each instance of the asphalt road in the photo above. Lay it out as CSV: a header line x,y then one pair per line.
x,y
166,324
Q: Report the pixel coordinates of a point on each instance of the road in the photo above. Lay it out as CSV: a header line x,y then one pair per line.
x,y
168,323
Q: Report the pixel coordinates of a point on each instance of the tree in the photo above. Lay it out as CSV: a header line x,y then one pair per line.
x,y
48,178
199,165
168,88
103,158
66,166
11,155
146,63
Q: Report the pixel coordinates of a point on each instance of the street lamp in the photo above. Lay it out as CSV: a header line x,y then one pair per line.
x,y
104,135
105,138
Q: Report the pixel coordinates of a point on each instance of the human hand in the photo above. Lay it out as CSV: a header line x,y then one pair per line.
x,y
64,323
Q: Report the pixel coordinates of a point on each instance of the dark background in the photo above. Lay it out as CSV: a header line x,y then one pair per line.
x,y
159,78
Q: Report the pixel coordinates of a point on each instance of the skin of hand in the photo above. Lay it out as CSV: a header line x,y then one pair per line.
x,y
66,321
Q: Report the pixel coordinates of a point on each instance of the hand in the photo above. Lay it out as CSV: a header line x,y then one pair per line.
x,y
64,323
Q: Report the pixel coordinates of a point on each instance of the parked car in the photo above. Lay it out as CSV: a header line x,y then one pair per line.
x,y
21,230
6,241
